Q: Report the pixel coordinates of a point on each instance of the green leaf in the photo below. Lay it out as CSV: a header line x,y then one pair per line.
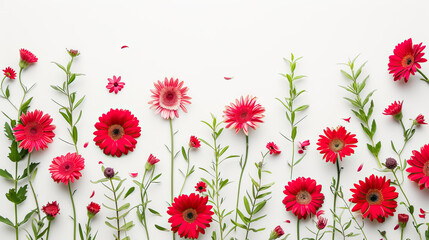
x,y
127,226
8,131
6,221
72,78
131,190
239,224
247,205
32,167
293,135
74,134
14,155
4,173
242,217
161,228
347,75
184,154
301,108
154,212
25,106
110,225
78,103
123,207
259,206
7,92
27,217
60,66
17,197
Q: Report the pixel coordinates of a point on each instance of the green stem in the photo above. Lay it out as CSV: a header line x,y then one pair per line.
x,y
187,173
71,107
4,95
49,228
23,89
217,188
335,194
116,207
172,165
87,229
317,234
241,176
143,194
74,211
297,230
353,217
293,158
402,233
424,76
16,205
32,188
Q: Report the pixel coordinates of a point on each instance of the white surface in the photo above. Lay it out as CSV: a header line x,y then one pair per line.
x,y
200,43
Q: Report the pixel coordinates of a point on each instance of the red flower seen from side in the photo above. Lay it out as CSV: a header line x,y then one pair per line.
x,y
117,131
92,209
302,146
420,119
51,209
201,187
35,131
67,168
9,73
190,215
336,142
406,59
194,142
374,198
115,84
303,197
272,147
168,97
419,167
244,113
27,58
395,110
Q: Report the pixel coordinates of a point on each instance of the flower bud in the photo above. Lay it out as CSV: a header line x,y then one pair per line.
x,y
151,161
276,233
73,53
391,163
403,220
194,142
109,172
420,119
92,209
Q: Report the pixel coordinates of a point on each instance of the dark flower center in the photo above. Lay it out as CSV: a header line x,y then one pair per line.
x,y
169,96
336,145
426,168
200,188
244,115
374,197
116,132
68,166
303,197
190,215
408,61
115,84
33,130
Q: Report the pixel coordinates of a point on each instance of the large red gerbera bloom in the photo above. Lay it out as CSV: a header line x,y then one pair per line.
x,y
405,59
115,84
303,197
168,96
375,198
419,167
35,131
9,73
336,141
190,215
27,58
67,168
116,132
51,209
244,113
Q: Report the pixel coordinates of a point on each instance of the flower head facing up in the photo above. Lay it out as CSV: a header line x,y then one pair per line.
x,y
116,132
244,113
194,142
302,146
336,142
67,168
51,210
201,187
406,59
272,147
395,110
9,73
276,233
27,58
73,53
115,84
35,131
374,198
403,219
92,209
151,161
391,163
109,172
420,119
168,97
190,215
303,197
419,167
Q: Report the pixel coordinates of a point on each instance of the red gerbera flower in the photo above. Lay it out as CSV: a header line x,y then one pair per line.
x,y
92,209
201,187
9,73
405,59
272,147
67,168
336,141
194,142
168,96
419,167
303,197
243,114
420,119
35,131
375,198
190,215
394,109
115,84
116,132
27,58
51,209
151,161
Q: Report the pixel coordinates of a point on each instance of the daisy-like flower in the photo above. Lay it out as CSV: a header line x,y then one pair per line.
x,y
92,209
194,142
302,146
303,197
244,113
190,215
336,141
419,167
9,73
115,84
395,110
51,210
201,187
272,147
73,53
35,131
27,58
168,96
67,168
374,198
116,132
151,161
420,119
406,59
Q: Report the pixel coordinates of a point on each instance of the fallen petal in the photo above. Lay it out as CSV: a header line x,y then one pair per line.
x,y
134,174
228,78
347,119
100,162
85,145
125,46
360,167
92,195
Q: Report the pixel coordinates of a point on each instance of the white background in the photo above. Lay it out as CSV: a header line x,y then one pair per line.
x,y
202,42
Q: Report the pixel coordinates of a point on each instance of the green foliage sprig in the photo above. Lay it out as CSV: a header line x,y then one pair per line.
x,y
189,170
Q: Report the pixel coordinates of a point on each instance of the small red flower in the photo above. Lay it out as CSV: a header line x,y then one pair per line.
x,y
276,233
51,209
403,219
151,161
67,168
93,208
194,142
201,187
302,146
9,73
406,59
321,222
419,167
244,113
27,58
420,119
374,198
395,110
73,53
272,147
115,84
35,131
303,197
336,142
190,215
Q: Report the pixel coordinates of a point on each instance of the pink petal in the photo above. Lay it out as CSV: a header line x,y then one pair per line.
x,y
100,162
125,46
228,78
347,119
360,167
92,195
134,174
85,145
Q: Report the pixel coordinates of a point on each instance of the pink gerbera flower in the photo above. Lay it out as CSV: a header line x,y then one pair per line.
x,y
27,58
35,131
405,59
419,167
244,113
115,84
67,168
9,73
168,96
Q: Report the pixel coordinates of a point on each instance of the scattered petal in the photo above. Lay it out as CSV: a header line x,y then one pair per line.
x,y
320,212
100,162
422,211
396,227
125,46
228,78
360,167
85,145
287,221
92,195
347,119
135,174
